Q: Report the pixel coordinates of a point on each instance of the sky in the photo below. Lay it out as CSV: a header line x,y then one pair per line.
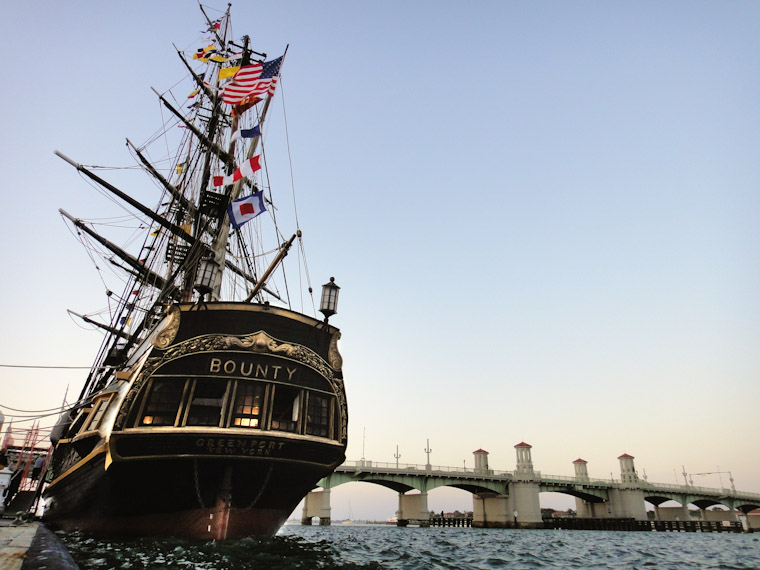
x,y
543,217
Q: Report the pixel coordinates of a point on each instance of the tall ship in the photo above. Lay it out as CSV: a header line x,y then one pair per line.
x,y
213,405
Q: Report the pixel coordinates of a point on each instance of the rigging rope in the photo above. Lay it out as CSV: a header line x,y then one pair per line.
x,y
301,247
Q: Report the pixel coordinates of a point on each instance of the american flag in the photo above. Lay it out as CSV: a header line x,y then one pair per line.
x,y
252,80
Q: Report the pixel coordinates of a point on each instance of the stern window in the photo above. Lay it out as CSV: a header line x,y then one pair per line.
x,y
285,409
79,421
247,409
318,416
163,403
206,405
97,415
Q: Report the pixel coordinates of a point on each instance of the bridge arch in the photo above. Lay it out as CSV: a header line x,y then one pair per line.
x,y
698,500
746,507
588,494
405,483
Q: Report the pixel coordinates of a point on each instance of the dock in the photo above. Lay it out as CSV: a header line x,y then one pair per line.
x,y
32,546
630,524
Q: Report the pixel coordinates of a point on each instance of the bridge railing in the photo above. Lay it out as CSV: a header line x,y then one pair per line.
x,y
579,481
681,488
366,464
691,489
646,485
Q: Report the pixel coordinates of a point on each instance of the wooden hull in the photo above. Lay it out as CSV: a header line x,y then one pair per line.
x,y
218,432
192,498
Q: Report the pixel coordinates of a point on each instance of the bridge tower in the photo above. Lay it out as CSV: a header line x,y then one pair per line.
x,y
524,490
524,461
581,469
585,508
627,501
628,473
481,461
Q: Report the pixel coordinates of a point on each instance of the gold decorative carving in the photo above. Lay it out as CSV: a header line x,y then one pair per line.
x,y
333,356
261,342
171,325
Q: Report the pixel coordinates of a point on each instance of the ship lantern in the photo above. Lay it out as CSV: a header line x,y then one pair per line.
x,y
206,276
329,304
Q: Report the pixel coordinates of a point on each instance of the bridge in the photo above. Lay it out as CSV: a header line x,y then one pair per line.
x,y
509,499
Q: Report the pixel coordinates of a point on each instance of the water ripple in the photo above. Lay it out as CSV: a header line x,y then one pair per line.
x,y
384,547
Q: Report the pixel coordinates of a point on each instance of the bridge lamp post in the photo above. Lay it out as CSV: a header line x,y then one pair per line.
x,y
428,450
718,473
397,455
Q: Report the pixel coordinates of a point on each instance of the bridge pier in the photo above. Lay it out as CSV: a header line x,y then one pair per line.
x,y
491,511
316,504
413,508
719,515
628,504
527,508
519,509
588,510
672,513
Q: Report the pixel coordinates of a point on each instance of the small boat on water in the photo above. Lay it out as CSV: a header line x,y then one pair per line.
x,y
213,406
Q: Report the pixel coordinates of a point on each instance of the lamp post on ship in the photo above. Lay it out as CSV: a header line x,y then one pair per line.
x,y
206,278
328,305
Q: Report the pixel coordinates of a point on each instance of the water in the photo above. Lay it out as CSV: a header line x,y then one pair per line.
x,y
375,547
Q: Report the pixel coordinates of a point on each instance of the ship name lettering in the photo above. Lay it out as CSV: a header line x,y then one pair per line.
x,y
266,371
235,446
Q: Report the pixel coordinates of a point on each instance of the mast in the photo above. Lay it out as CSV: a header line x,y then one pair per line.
x,y
206,140
219,245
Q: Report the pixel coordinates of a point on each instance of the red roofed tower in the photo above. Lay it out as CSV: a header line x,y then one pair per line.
x,y
481,460
581,469
628,475
524,461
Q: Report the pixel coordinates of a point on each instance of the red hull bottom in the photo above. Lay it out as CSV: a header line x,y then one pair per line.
x,y
197,524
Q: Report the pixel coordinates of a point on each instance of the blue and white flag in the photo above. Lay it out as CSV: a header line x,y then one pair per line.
x,y
245,209
246,133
